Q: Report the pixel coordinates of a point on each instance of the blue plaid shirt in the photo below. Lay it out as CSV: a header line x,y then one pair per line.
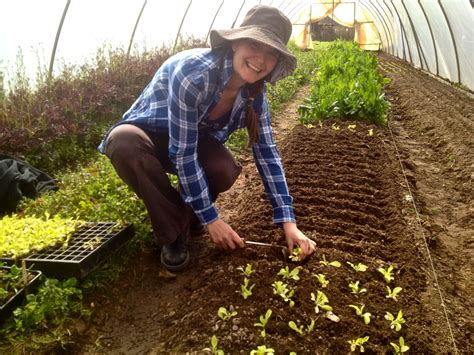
x,y
178,100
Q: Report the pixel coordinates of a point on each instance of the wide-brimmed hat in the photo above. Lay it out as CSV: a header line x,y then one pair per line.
x,y
267,25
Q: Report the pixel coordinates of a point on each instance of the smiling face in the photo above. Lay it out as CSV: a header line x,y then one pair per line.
x,y
253,60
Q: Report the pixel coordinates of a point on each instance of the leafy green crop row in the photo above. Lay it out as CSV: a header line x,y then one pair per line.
x,y
347,85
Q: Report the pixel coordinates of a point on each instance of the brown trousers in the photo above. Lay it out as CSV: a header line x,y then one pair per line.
x,y
141,159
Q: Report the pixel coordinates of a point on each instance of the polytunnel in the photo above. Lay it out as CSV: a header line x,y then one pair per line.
x,y
172,182
436,36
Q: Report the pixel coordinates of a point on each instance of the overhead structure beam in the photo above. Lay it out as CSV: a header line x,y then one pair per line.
x,y
135,29
238,13
403,32
381,19
383,6
213,20
432,36
180,26
452,39
56,40
421,55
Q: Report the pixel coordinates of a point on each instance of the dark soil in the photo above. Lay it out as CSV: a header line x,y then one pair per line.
x,y
351,197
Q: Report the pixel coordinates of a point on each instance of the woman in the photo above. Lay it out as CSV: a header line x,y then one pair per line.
x,y
180,123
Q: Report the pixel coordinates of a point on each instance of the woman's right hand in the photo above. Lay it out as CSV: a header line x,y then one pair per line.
x,y
224,236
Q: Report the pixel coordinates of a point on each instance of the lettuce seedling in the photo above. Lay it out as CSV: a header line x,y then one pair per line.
x,y
393,293
287,274
321,301
359,342
300,330
401,347
359,267
262,350
359,312
245,290
263,322
332,263
247,271
322,280
224,314
281,288
214,349
354,286
295,254
387,274
395,323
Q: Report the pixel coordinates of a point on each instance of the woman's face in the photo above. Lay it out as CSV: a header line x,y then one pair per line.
x,y
253,60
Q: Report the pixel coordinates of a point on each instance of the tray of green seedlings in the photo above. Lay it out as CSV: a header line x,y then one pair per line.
x,y
15,283
79,251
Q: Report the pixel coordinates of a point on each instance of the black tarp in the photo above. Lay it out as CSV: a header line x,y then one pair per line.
x,y
18,179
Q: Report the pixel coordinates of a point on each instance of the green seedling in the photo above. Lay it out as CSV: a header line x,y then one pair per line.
x,y
247,271
245,290
332,263
395,323
224,314
359,267
322,280
359,342
393,293
360,313
300,330
321,301
387,274
354,286
262,350
295,254
263,322
401,347
287,274
281,288
214,349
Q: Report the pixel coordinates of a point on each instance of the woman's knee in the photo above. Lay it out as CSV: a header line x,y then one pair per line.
x,y
223,175
126,140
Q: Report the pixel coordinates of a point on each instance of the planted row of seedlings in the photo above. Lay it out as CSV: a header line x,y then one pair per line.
x,y
284,287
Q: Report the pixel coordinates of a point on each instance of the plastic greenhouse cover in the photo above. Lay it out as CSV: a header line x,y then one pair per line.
x,y
400,27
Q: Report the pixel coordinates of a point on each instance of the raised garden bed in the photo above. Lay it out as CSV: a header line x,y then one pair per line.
x,y
89,246
12,289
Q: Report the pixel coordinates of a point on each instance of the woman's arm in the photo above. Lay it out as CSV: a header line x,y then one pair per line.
x,y
268,161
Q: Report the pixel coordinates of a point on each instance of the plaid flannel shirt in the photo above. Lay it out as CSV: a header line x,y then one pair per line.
x,y
178,100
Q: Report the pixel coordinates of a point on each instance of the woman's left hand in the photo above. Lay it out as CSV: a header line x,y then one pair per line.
x,y
294,237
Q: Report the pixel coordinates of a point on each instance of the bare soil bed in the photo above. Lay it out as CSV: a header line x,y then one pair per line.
x,y
351,197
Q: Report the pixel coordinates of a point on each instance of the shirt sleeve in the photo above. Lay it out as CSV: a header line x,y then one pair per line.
x,y
268,161
185,90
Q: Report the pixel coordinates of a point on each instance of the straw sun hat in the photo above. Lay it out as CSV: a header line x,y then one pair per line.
x,y
267,25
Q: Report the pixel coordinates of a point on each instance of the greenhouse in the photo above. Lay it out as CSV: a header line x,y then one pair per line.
x,y
252,177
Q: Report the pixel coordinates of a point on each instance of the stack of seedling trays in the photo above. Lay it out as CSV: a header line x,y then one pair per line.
x,y
14,285
89,245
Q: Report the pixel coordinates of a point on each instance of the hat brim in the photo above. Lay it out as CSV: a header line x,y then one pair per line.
x,y
287,61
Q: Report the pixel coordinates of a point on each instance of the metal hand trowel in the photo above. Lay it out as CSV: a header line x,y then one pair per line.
x,y
284,250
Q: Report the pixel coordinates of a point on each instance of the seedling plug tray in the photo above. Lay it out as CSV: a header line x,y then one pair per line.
x,y
17,298
89,246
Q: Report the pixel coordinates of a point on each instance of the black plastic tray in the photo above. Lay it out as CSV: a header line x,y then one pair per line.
x,y
17,299
89,246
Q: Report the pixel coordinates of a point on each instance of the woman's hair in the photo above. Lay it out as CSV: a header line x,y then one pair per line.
x,y
251,117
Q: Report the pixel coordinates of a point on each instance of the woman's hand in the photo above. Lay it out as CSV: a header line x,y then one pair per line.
x,y
224,236
294,237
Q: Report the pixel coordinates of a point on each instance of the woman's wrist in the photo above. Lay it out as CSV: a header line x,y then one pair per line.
x,y
289,226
